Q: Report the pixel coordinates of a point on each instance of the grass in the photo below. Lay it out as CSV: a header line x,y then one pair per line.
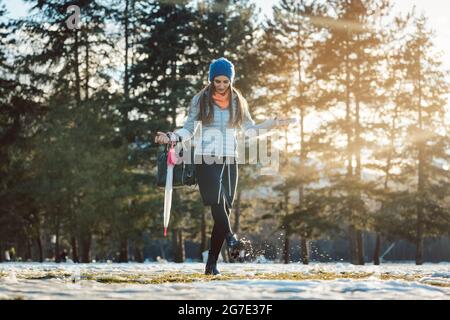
x,y
161,278
196,277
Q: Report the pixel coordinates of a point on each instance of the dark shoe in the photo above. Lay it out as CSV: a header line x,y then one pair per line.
x,y
235,245
211,266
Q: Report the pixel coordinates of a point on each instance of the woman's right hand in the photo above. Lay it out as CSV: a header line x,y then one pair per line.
x,y
161,138
284,121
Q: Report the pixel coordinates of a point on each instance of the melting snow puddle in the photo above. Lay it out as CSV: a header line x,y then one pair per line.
x,y
185,281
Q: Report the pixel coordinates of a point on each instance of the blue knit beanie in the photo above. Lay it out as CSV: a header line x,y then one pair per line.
x,y
221,67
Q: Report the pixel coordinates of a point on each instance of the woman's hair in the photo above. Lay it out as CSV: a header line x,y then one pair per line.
x,y
206,114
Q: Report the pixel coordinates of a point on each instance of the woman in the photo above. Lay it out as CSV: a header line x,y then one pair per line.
x,y
221,107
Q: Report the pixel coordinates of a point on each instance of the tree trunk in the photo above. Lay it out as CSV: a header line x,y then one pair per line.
x,y
29,255
348,119
126,83
421,170
359,247
377,251
86,46
301,187
302,153
178,245
419,251
175,244
2,252
77,69
349,149
286,256
351,244
173,76
305,250
138,254
357,150
56,254
22,245
73,241
419,234
376,254
123,250
180,256
85,242
40,249
163,251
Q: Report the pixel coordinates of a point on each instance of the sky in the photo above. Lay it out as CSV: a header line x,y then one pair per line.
x,y
437,10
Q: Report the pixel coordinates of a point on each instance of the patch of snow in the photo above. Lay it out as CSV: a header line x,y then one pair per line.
x,y
71,281
261,259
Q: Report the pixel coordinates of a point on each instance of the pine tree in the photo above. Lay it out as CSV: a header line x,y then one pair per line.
x,y
427,149
412,201
21,109
70,64
347,62
290,88
388,130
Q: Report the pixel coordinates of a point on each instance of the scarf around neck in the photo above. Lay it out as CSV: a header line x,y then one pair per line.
x,y
223,101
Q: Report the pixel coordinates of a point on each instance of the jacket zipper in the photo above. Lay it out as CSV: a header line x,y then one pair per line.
x,y
221,130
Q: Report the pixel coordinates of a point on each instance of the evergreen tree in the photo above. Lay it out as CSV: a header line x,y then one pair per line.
x,y
423,207
346,63
289,88
20,110
388,130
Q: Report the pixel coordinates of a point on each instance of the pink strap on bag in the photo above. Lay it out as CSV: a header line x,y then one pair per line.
x,y
171,156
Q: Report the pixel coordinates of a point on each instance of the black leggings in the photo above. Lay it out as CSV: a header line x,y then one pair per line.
x,y
217,183
221,217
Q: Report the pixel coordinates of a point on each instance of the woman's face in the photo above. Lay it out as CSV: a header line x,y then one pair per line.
x,y
221,84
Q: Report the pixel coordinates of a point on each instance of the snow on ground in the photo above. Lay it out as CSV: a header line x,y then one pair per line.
x,y
238,281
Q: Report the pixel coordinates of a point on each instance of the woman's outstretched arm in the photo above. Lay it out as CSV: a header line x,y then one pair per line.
x,y
248,123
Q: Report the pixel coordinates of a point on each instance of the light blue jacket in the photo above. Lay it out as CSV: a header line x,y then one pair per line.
x,y
219,127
